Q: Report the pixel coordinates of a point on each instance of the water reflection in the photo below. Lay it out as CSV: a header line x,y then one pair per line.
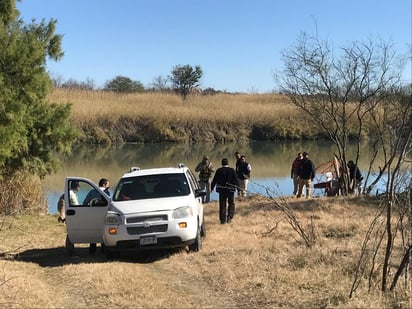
x,y
271,161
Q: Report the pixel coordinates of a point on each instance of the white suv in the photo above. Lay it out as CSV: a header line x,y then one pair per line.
x,y
150,209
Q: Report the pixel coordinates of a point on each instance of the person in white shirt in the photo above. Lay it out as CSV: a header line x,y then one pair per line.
x,y
74,188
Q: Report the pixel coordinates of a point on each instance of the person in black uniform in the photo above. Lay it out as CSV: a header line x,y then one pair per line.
x,y
226,183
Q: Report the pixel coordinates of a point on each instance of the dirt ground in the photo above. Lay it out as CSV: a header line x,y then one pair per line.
x,y
37,272
255,262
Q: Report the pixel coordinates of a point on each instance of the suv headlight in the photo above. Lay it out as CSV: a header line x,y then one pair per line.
x,y
182,212
113,218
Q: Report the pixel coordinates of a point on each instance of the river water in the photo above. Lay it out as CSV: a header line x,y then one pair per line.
x,y
271,162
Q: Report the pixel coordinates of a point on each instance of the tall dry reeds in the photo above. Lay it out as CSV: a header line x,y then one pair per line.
x,y
106,117
22,193
88,105
165,116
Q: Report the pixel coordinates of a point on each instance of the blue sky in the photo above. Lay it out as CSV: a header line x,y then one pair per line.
x,y
237,43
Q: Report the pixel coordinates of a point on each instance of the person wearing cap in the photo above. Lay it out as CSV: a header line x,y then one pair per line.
x,y
226,183
306,174
205,169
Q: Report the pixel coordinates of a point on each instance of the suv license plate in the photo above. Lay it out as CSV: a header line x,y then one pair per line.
x,y
148,240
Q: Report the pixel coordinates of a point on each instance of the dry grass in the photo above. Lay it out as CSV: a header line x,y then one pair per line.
x,y
174,119
256,262
21,193
105,117
89,105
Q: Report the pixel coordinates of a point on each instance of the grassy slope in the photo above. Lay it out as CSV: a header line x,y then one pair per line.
x,y
151,117
258,261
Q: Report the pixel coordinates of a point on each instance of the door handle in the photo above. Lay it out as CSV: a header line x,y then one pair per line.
x,y
70,212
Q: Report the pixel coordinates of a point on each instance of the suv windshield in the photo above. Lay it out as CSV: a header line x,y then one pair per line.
x,y
151,186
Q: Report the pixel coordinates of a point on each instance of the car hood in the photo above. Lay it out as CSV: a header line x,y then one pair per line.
x,y
150,205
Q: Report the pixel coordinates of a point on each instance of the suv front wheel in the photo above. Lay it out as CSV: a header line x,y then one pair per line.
x,y
203,229
69,246
197,245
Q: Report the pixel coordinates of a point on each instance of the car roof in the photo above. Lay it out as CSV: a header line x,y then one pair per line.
x,y
135,171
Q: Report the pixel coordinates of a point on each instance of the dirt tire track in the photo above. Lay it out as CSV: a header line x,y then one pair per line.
x,y
202,294
61,275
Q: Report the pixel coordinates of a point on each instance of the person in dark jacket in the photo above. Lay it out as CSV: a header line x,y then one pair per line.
x,y
243,174
294,172
238,160
355,177
306,174
226,183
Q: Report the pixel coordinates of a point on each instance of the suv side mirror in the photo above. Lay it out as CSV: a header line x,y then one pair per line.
x,y
200,192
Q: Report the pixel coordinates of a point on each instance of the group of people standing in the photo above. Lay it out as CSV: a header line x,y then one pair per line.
x,y
227,181
303,172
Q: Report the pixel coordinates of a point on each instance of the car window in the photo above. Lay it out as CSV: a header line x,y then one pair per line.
x,y
151,186
81,193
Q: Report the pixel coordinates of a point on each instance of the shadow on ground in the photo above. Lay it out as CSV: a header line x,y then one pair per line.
x,y
55,257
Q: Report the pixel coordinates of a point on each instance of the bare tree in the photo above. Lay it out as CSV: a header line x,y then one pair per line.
x,y
398,126
160,83
79,85
338,90
351,93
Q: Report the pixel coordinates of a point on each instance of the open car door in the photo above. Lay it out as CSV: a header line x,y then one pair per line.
x,y
86,206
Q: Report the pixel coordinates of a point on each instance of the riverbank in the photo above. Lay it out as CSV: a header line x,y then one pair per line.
x,y
259,261
107,118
